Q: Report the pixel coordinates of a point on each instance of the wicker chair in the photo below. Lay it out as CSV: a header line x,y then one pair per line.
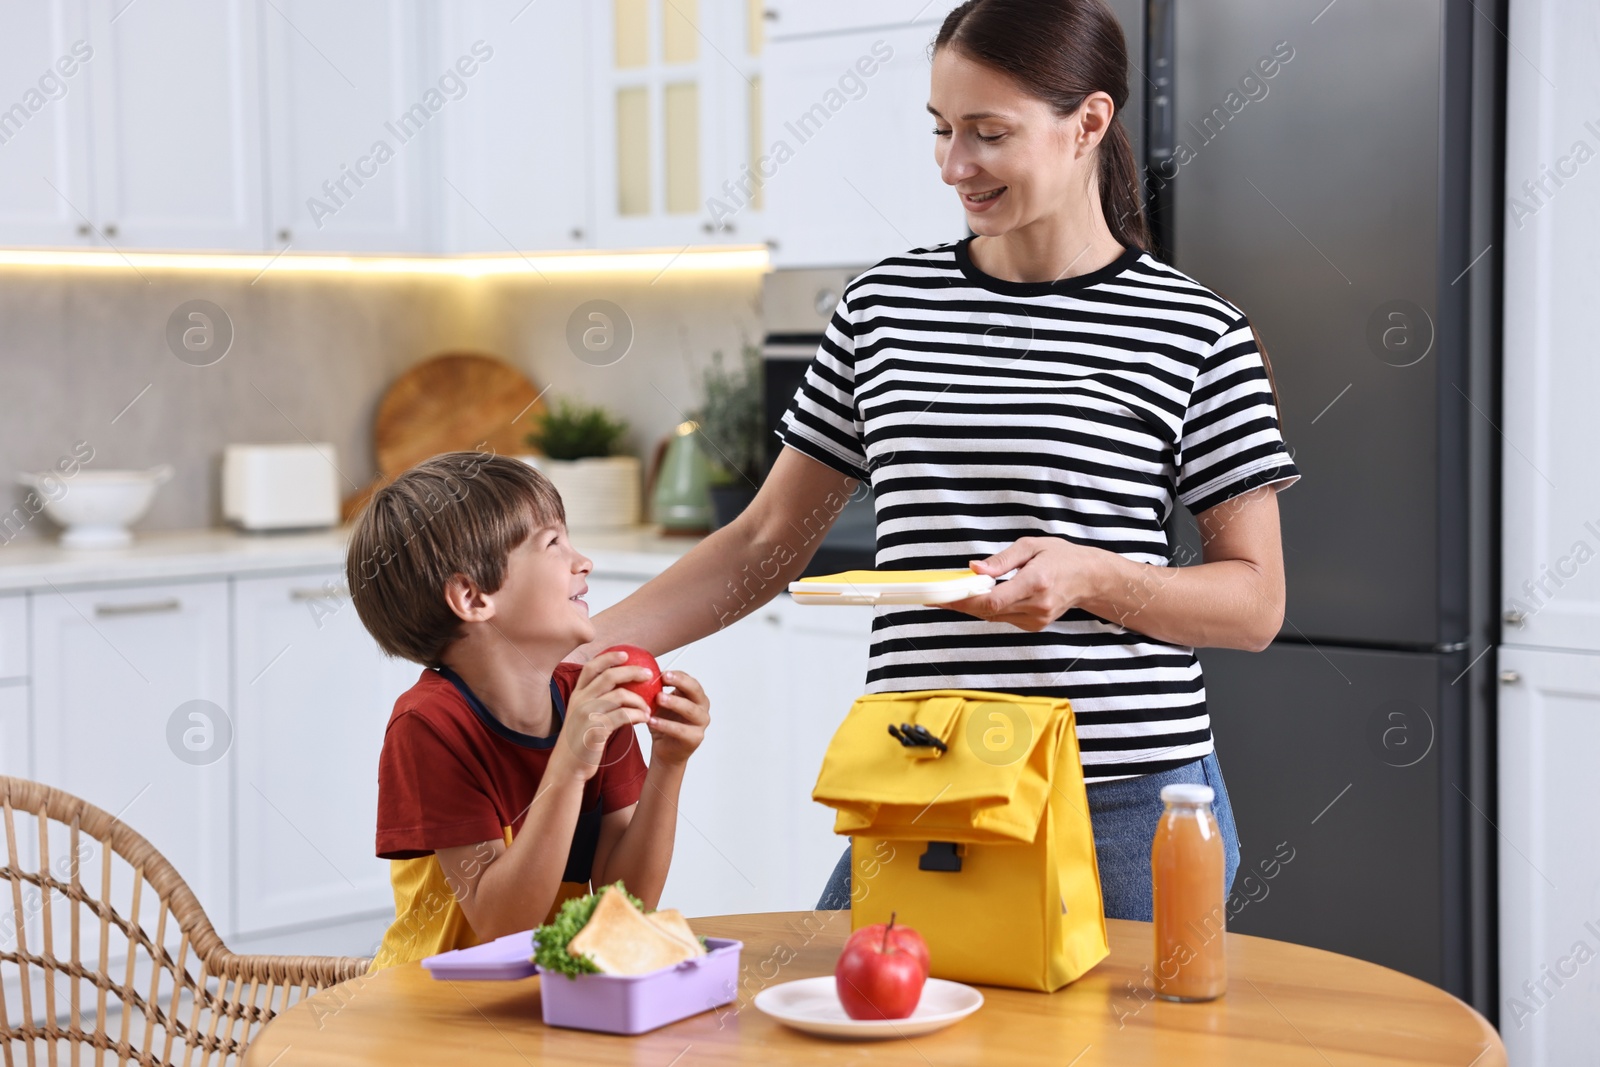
x,y
163,986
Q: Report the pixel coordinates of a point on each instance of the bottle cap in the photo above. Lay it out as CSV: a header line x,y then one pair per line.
x,y
1184,793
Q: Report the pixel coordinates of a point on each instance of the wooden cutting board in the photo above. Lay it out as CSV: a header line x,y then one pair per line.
x,y
457,401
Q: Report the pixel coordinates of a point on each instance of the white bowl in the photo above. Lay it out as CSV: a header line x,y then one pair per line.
x,y
96,507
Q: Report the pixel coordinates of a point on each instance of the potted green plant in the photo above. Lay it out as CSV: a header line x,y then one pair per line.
x,y
730,421
581,444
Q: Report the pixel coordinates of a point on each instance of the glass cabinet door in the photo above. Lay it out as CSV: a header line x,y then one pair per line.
x,y
676,102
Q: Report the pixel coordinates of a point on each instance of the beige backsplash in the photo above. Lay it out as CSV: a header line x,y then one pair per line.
x,y
311,355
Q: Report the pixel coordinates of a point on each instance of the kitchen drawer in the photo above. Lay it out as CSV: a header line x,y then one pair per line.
x,y
14,636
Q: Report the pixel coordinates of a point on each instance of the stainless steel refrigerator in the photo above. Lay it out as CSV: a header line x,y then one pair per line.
x,y
1334,169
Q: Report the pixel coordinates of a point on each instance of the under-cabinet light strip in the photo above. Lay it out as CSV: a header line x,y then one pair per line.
x,y
651,261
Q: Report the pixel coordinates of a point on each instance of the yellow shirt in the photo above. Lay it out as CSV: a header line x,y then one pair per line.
x,y
428,918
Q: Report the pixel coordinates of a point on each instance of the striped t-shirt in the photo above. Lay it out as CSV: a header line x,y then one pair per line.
x,y
983,411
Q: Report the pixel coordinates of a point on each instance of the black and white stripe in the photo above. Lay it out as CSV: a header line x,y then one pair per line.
x,y
983,411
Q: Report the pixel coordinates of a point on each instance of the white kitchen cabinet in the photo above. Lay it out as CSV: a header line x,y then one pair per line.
x,y
176,113
1549,731
823,669
1550,537
130,697
312,694
516,147
850,149
352,114
790,18
15,745
45,197
675,90
733,842
13,636
1550,527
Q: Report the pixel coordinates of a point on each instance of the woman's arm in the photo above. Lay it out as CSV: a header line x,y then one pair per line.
x,y
1234,599
735,569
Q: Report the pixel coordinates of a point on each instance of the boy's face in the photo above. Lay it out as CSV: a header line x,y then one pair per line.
x,y
540,602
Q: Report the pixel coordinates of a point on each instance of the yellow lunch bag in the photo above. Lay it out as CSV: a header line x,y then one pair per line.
x,y
971,823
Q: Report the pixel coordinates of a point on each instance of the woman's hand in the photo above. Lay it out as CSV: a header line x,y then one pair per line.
x,y
1053,575
679,724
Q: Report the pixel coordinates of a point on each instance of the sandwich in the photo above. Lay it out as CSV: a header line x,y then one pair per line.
x,y
608,932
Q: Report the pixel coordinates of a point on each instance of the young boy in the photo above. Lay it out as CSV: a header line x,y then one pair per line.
x,y
509,780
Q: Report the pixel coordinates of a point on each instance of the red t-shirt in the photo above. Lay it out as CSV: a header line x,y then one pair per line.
x,y
452,774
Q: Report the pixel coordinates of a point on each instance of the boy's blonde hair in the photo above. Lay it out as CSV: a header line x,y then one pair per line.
x,y
457,513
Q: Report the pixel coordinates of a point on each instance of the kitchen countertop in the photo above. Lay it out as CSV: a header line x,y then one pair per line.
x,y
641,552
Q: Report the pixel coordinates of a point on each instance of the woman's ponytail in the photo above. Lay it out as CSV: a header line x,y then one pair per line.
x,y
1120,201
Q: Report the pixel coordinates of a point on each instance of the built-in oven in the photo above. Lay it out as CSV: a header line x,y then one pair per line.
x,y
796,307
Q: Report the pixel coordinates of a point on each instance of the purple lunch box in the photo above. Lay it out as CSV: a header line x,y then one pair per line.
x,y
609,1003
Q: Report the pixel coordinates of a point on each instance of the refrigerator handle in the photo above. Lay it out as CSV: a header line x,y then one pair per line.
x,y
1160,55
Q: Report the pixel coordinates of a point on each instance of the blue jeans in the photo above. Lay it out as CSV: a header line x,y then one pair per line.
x,y
1124,815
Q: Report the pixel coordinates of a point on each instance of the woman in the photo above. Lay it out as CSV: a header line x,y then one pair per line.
x,y
1031,401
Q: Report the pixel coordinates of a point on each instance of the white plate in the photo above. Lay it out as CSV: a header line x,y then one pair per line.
x,y
812,1005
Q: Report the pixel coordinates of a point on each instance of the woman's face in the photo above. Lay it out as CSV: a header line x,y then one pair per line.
x,y
1009,156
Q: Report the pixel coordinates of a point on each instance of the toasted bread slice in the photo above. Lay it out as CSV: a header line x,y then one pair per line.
x,y
620,940
673,924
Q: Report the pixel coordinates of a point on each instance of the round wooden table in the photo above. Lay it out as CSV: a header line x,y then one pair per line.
x,y
1285,1005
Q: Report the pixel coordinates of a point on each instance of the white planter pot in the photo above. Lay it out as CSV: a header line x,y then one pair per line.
x,y
599,493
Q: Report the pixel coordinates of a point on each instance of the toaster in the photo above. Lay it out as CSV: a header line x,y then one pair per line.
x,y
280,487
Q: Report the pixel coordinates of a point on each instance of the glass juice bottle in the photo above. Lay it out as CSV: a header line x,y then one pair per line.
x,y
1186,869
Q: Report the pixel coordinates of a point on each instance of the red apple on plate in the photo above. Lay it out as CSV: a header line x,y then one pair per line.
x,y
902,935
881,972
638,657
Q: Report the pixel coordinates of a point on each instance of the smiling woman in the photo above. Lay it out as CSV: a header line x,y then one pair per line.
x,y
1036,399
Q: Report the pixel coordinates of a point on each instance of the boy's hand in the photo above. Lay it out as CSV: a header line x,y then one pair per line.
x,y
680,725
597,708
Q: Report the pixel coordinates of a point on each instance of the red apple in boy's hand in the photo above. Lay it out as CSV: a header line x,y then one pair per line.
x,y
879,977
638,657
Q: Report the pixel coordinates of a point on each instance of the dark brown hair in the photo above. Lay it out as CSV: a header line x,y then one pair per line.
x,y
1061,51
457,513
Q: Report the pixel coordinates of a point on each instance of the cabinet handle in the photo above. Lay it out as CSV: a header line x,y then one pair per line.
x,y
111,229
1515,618
84,229
577,233
285,234
148,607
313,593
773,617
1509,677
770,15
